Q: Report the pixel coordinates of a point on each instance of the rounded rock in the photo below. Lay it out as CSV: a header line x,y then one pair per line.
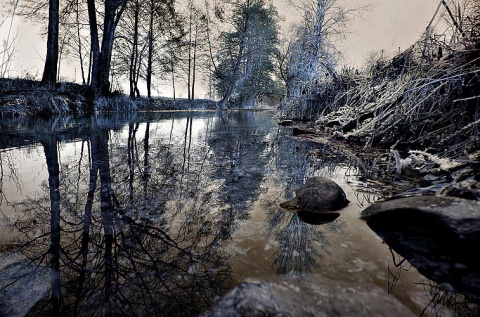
x,y
318,194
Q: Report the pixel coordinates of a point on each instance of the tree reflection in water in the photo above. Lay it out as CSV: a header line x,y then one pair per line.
x,y
136,210
302,244
444,300
240,157
130,230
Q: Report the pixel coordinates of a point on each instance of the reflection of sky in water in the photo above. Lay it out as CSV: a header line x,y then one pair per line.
x,y
22,170
196,207
162,129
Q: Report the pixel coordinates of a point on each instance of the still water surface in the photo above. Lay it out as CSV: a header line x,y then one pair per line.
x,y
160,214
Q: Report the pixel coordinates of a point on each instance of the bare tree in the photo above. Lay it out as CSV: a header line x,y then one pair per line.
x,y
311,53
102,54
191,53
75,36
147,33
135,56
165,34
8,43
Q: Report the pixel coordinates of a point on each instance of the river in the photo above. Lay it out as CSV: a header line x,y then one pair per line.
x,y
161,214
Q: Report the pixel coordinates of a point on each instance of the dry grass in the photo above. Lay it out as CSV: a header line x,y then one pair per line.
x,y
425,97
30,97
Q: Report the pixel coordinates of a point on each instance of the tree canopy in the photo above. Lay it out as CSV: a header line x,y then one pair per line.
x,y
247,54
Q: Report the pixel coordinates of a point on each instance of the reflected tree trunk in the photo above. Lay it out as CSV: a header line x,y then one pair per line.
x,y
146,169
131,145
51,154
87,220
186,147
108,214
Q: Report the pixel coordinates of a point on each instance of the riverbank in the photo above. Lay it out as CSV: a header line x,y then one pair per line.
x,y
391,173
419,108
450,165
29,97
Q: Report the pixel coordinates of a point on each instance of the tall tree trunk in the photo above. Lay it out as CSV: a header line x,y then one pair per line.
x,y
231,86
107,47
210,49
113,12
137,77
51,60
132,131
60,53
150,50
241,47
317,40
172,64
192,95
189,72
94,44
134,53
80,54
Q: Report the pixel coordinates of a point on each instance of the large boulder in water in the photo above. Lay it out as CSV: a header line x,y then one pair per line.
x,y
319,194
438,235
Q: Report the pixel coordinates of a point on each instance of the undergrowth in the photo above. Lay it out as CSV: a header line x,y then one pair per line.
x,y
426,97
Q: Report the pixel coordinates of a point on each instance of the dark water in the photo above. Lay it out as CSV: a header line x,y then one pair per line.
x,y
160,214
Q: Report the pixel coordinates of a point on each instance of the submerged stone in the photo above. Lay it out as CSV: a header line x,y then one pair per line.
x,y
319,194
23,284
437,235
329,298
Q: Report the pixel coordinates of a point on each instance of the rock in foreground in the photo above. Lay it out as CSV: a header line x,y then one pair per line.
x,y
22,284
319,194
437,235
330,298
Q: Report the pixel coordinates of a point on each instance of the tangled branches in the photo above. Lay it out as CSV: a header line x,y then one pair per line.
x,y
425,97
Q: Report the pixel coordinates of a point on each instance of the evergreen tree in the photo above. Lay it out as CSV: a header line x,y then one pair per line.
x,y
246,58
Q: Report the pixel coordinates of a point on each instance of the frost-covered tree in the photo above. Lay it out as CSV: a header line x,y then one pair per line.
x,y
310,54
245,60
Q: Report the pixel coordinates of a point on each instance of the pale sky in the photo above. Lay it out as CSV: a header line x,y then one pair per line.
x,y
386,25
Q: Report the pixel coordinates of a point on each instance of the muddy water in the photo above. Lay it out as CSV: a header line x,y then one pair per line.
x,y
160,214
